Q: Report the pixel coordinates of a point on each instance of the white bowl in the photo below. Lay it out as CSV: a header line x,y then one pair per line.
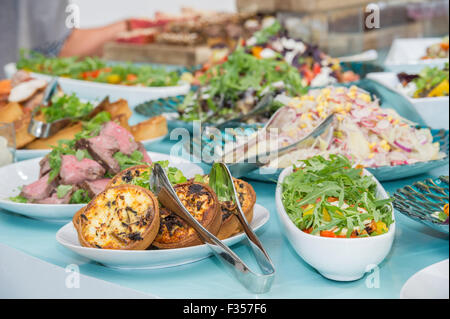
x,y
433,110
405,55
342,259
97,91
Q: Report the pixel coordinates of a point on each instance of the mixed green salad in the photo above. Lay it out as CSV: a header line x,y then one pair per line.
x,y
235,86
97,70
330,198
65,106
430,82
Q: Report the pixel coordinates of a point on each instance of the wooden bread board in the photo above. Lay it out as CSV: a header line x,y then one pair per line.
x,y
156,53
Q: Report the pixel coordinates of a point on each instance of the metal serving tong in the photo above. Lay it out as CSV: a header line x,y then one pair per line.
x,y
249,164
255,282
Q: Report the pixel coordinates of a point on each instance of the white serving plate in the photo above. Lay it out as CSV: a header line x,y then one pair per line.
x,y
18,174
149,259
405,55
428,283
341,259
97,91
434,110
24,154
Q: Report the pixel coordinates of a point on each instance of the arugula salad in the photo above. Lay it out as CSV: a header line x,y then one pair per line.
x,y
65,106
235,86
330,198
97,70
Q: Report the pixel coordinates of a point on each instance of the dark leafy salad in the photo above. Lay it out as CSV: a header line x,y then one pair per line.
x,y
97,70
235,86
65,106
330,198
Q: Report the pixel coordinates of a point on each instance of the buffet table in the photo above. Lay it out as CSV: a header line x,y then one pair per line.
x,y
28,248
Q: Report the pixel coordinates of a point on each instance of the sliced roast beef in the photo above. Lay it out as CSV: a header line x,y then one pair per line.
x,y
74,171
54,199
142,149
44,166
95,187
102,148
125,139
39,189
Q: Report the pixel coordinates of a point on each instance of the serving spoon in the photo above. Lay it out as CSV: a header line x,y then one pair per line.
x,y
167,196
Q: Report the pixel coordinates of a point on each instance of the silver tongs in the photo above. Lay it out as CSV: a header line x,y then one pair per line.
x,y
255,282
248,164
42,129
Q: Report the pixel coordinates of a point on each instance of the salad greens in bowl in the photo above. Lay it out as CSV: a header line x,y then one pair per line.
x,y
336,216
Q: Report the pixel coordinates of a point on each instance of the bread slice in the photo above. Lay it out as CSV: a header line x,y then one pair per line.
x,y
67,133
124,217
153,127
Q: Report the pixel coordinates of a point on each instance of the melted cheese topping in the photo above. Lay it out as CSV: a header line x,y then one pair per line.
x,y
117,217
133,175
197,200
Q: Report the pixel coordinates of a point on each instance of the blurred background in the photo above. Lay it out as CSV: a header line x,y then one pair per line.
x,y
184,32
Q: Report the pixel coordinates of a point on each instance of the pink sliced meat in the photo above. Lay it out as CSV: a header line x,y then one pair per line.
x,y
74,171
146,157
102,148
125,139
54,199
44,166
38,190
95,187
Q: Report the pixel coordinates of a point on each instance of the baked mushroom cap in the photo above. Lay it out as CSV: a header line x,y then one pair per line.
x,y
121,217
202,203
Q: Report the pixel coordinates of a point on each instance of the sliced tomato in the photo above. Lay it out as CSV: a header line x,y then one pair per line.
x,y
327,233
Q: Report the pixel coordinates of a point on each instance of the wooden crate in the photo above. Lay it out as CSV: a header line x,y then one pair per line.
x,y
339,44
156,53
256,6
308,6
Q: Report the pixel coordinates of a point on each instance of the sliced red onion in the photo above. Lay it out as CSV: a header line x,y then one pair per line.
x,y
406,149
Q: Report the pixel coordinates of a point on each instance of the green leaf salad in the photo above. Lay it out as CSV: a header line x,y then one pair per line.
x,y
330,198
65,106
97,70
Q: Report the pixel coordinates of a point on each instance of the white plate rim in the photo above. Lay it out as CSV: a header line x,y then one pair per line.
x,y
417,274
76,207
265,217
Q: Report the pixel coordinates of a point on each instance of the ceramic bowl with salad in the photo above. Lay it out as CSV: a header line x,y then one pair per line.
x,y
427,90
94,78
337,216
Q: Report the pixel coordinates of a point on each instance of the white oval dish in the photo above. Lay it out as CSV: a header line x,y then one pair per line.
x,y
97,91
428,283
405,55
341,259
24,154
150,259
21,173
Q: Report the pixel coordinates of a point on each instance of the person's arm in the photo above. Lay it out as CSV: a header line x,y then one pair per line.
x,y
88,42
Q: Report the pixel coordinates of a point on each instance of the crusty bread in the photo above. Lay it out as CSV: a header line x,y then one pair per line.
x,y
14,113
151,128
67,133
